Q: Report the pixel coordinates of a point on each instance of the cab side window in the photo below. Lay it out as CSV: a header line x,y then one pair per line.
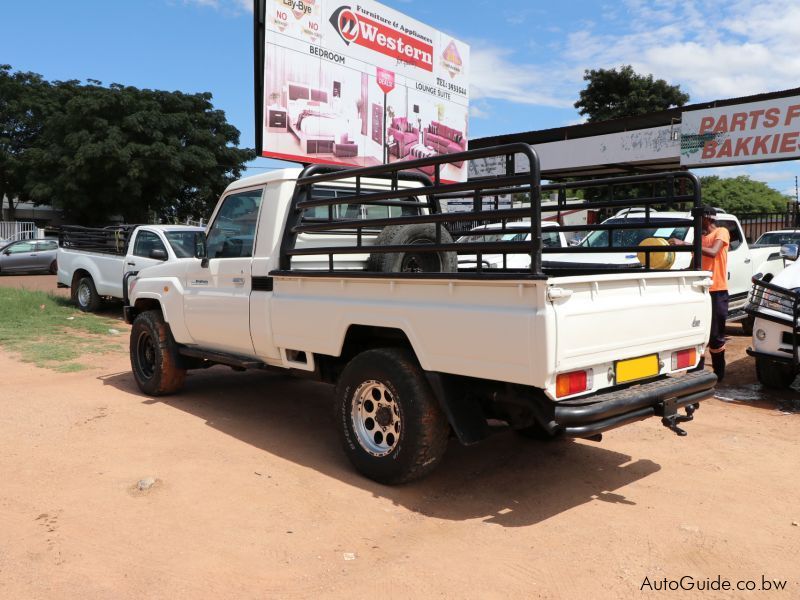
x,y
146,242
21,247
736,236
233,232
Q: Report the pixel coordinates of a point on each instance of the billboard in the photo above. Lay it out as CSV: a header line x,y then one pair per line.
x,y
359,84
742,133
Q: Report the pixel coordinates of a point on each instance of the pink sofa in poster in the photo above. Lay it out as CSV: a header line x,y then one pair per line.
x,y
444,140
405,134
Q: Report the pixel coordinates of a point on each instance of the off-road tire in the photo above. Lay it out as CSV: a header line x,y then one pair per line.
x,y
411,262
54,268
775,375
155,361
423,433
85,296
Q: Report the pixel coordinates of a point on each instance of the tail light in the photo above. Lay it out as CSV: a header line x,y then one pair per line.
x,y
573,383
684,359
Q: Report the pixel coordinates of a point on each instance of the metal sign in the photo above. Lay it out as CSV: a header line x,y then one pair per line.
x,y
358,84
742,133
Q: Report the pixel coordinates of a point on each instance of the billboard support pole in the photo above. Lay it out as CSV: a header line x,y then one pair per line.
x,y
385,128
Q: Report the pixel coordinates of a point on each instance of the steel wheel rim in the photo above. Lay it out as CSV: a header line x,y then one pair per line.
x,y
84,294
376,418
145,355
420,263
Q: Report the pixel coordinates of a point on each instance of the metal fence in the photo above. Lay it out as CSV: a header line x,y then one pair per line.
x,y
757,224
18,230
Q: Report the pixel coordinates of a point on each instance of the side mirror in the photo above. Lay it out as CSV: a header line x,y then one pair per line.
x,y
790,251
158,254
200,245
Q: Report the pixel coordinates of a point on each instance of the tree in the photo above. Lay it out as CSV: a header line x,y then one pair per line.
x,y
135,153
613,94
24,103
741,194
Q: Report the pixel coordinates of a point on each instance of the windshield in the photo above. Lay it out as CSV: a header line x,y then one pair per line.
x,y
183,243
778,238
633,237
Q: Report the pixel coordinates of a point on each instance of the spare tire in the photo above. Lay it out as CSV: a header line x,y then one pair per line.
x,y
412,262
658,260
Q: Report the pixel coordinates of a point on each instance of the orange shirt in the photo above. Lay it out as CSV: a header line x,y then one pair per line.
x,y
719,265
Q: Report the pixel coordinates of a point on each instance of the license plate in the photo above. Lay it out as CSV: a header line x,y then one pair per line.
x,y
637,368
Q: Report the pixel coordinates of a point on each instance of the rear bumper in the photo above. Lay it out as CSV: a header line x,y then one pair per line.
x,y
588,417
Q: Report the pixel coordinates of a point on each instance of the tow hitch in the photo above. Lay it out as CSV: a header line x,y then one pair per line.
x,y
671,417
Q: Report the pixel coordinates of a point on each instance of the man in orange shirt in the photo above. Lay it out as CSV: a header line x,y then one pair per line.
x,y
716,241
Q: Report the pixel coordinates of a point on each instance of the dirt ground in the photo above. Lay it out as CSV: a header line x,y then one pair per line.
x,y
253,497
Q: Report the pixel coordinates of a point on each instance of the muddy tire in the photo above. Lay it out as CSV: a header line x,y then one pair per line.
x,y
775,375
85,296
413,262
155,361
390,423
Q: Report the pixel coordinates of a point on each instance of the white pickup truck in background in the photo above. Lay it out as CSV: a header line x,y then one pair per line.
x,y
93,262
417,346
743,261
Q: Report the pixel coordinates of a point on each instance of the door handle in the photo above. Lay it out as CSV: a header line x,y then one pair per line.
x,y
131,264
747,261
238,280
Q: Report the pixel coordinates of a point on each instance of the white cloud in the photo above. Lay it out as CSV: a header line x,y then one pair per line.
x,y
494,75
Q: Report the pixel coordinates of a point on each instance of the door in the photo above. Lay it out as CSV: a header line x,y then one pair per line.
x,y
45,254
144,244
217,297
19,256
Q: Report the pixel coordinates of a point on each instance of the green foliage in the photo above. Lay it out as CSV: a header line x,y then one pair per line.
x,y
739,195
49,332
613,94
96,152
24,104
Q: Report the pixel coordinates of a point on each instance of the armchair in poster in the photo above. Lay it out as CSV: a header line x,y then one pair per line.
x,y
361,84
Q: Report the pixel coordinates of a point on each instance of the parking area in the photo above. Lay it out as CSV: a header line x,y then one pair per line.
x,y
237,487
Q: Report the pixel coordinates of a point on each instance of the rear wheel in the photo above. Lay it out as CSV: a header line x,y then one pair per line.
x,y
391,425
774,375
85,295
154,356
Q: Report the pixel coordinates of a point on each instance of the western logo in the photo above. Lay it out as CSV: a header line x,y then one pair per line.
x,y
345,22
363,31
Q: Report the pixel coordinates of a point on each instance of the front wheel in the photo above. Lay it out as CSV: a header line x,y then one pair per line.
x,y
154,356
391,425
774,375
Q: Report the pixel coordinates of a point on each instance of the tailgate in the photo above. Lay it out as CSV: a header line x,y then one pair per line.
x,y
606,318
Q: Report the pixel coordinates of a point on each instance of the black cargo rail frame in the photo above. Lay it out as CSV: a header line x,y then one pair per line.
x,y
511,182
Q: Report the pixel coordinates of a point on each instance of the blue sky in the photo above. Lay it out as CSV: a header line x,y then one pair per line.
x,y
528,58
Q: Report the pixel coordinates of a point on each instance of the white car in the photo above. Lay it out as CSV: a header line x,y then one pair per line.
x,y
778,238
517,231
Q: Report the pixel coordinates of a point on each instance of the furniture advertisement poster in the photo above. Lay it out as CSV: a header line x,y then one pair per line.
x,y
361,85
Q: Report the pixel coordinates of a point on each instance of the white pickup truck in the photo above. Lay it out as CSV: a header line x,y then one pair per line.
x,y
743,261
93,262
416,346
774,306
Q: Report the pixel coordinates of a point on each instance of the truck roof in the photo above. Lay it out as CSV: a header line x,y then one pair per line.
x,y
175,227
262,178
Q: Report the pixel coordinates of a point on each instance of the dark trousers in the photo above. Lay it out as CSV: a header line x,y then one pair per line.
x,y
716,341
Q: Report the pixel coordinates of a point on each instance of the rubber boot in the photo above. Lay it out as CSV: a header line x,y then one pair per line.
x,y
718,363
